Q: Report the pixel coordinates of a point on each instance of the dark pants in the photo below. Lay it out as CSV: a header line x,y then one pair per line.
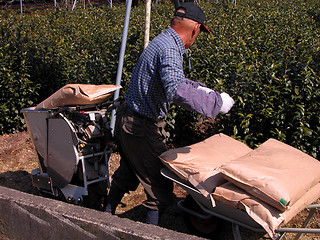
x,y
141,141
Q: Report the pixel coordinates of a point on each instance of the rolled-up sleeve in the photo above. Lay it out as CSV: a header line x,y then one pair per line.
x,y
193,96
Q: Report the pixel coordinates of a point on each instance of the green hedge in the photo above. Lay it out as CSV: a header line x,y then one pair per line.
x,y
266,54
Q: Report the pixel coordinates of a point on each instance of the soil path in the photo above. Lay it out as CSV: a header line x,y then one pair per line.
x,y
18,159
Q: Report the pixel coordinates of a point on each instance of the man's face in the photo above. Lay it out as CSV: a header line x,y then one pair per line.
x,y
193,35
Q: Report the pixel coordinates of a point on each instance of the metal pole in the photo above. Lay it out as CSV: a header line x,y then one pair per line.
x,y
121,57
147,23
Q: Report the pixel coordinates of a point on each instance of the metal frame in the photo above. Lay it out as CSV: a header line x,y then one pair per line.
x,y
37,123
236,224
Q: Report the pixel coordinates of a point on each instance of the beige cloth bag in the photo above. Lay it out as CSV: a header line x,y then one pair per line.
x,y
264,178
78,94
198,163
275,172
267,216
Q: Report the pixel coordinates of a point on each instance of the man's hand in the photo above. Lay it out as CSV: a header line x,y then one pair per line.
x,y
227,103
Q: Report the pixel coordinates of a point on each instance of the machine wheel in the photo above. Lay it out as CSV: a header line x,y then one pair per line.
x,y
97,193
208,228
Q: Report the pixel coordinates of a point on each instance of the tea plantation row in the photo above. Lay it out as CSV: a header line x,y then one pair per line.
x,y
266,54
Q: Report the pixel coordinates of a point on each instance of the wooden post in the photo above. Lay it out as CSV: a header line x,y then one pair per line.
x,y
147,23
21,10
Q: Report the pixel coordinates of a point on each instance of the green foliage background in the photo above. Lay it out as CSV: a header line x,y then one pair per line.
x,y
265,54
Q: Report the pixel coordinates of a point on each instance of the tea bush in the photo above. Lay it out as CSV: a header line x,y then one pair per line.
x,y
266,54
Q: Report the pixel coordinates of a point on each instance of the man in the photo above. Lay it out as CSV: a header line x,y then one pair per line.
x,y
158,80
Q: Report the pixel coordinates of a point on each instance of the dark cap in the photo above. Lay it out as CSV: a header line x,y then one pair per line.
x,y
193,12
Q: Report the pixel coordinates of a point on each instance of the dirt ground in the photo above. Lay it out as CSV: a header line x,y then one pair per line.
x,y
18,159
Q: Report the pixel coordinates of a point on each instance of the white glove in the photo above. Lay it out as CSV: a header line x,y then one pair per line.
x,y
227,103
207,90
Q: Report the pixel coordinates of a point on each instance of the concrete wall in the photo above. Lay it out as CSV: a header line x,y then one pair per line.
x,y
28,217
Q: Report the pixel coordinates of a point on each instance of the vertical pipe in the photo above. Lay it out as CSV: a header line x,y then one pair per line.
x,y
121,58
147,23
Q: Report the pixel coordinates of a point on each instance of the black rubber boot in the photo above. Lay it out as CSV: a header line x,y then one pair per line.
x,y
114,197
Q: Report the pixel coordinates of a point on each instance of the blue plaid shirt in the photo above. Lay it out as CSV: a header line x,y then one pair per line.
x,y
157,75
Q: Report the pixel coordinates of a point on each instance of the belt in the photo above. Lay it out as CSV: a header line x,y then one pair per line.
x,y
134,113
